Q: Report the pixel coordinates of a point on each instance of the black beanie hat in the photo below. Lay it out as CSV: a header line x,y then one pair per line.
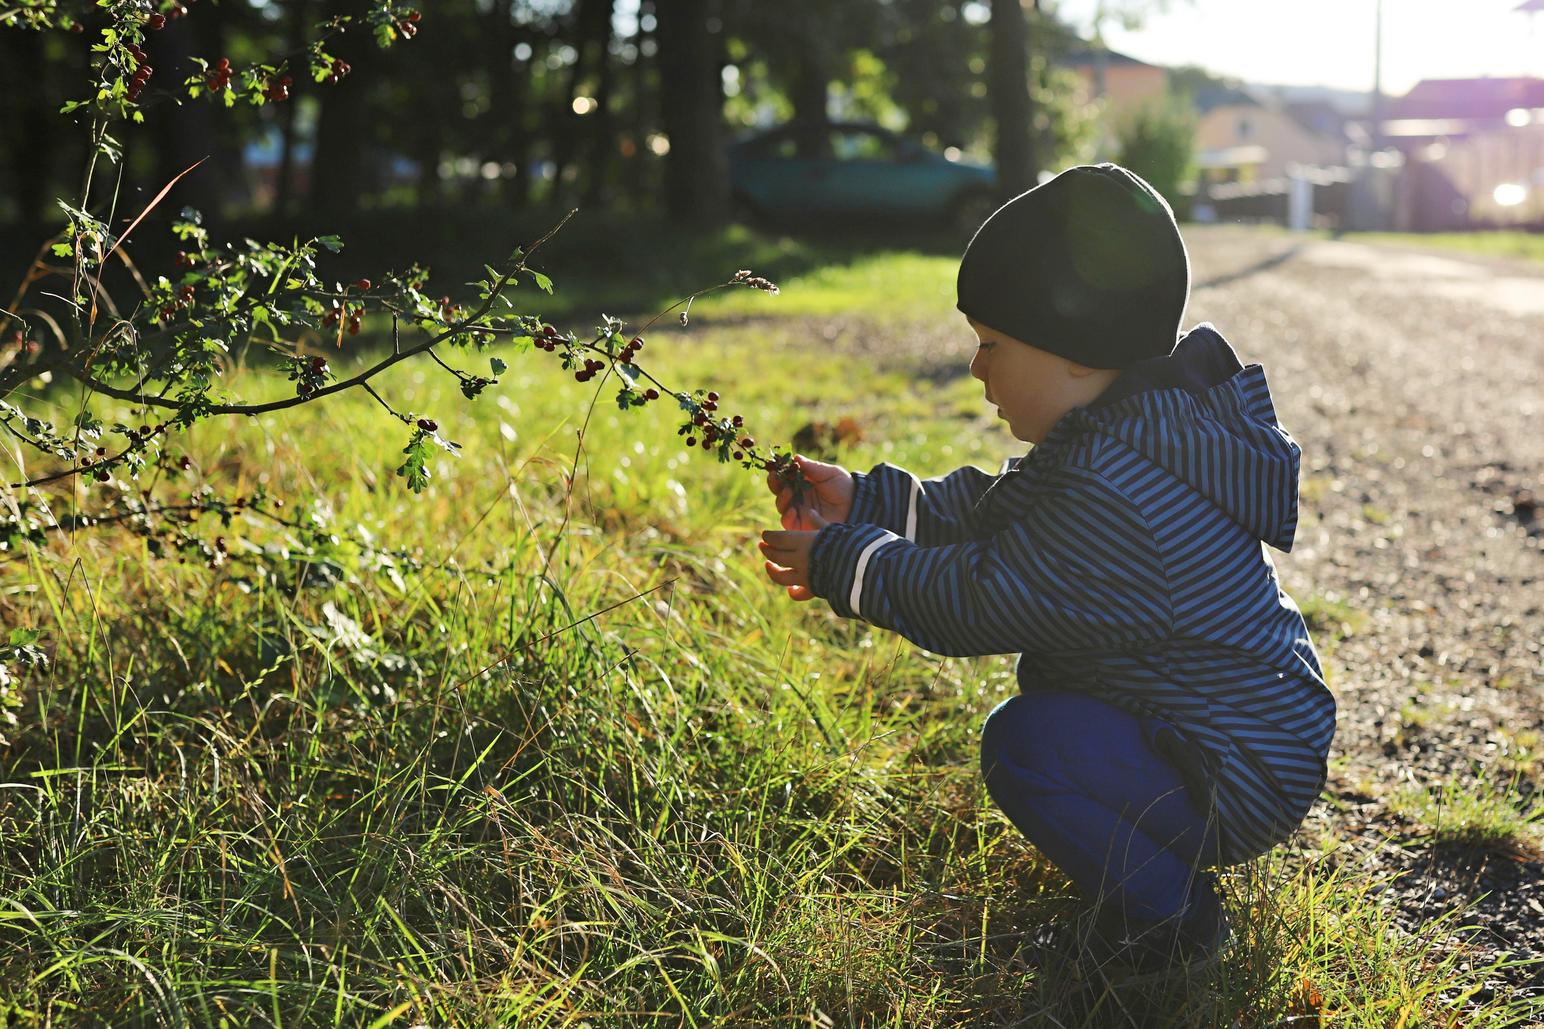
x,y
1088,265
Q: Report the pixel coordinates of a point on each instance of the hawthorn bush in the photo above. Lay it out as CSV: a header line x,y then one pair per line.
x,y
165,348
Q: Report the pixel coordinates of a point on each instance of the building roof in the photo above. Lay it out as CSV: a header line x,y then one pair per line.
x,y
1483,98
1209,97
1088,56
1320,117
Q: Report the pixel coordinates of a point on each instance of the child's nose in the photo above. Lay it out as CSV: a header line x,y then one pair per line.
x,y
978,365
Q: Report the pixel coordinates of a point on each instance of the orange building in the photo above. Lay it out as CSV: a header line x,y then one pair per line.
x,y
1128,85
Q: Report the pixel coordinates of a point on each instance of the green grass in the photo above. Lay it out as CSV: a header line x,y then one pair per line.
x,y
1499,243
1495,815
566,757
1515,243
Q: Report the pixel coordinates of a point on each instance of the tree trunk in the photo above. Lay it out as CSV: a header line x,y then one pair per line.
x,y
299,12
601,122
339,168
640,158
692,95
30,148
510,82
809,90
1008,84
184,133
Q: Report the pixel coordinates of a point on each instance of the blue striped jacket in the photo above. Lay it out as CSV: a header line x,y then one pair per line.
x,y
1122,556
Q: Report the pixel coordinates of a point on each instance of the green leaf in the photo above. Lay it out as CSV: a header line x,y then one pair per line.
x,y
499,367
25,637
332,243
414,469
542,281
62,250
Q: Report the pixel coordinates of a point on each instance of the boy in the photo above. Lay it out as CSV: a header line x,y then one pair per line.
x,y
1172,712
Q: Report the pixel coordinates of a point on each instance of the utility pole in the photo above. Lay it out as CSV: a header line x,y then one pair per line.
x,y
1377,82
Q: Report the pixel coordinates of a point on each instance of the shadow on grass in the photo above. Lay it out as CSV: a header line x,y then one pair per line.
x,y
612,261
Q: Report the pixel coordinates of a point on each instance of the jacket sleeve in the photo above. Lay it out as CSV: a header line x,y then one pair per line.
x,y
1080,571
929,512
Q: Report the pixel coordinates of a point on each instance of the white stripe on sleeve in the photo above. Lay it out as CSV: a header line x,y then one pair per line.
x,y
857,578
911,510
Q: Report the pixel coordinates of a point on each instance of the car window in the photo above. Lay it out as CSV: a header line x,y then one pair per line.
x,y
852,145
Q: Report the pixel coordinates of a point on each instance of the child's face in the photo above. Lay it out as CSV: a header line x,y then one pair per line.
x,y
1032,388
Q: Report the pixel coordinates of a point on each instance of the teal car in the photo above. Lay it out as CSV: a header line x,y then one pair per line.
x,y
822,170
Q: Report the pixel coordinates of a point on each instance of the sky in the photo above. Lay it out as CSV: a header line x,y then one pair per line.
x,y
1330,42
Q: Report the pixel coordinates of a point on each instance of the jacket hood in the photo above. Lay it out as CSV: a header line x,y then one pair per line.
x,y
1206,418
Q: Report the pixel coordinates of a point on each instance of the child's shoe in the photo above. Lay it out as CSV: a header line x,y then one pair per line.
x,y
1133,949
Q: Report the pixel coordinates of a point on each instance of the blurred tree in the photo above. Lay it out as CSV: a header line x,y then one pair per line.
x,y
298,15
1157,142
1008,83
340,172
692,108
936,56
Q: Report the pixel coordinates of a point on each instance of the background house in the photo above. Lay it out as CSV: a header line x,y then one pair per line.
x,y
1128,82
1473,150
1251,142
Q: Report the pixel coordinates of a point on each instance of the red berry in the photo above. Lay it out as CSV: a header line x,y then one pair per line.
x,y
413,16
747,442
427,424
363,285
76,26
738,456
737,421
691,441
651,393
177,11
102,475
342,68
186,463
712,397
156,21
225,64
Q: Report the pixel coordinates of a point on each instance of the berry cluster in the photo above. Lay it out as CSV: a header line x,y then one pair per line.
x,y
157,20
309,376
220,78
344,313
183,300
278,89
337,70
142,72
548,340
408,25
715,430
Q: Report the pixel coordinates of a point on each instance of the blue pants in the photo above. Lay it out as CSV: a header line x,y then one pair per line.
x,y
1087,784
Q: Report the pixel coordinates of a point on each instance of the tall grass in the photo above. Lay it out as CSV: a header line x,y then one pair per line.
x,y
560,756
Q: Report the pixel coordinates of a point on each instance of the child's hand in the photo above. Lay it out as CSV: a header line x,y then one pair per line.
x,y
827,495
788,557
